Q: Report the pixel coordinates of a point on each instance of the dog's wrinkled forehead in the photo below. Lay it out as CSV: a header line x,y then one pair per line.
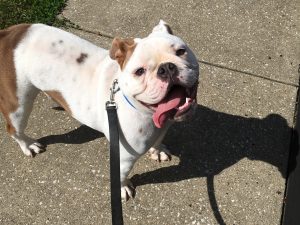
x,y
163,39
154,47
158,46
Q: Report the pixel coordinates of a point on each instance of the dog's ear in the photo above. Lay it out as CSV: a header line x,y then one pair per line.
x,y
162,27
121,50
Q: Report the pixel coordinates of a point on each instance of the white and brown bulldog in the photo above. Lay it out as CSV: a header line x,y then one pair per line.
x,y
158,78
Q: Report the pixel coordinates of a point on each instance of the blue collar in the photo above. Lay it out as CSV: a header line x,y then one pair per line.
x,y
128,101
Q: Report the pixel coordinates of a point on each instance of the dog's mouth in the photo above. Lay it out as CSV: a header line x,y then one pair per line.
x,y
178,102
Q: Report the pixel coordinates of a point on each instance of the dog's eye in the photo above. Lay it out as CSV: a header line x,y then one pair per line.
x,y
180,51
140,71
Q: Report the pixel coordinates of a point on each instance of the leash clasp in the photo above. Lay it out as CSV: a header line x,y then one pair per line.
x,y
113,90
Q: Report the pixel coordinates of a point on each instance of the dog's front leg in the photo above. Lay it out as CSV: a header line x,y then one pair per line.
x,y
159,153
127,160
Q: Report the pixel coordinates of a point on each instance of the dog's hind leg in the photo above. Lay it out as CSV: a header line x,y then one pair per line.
x,y
18,118
16,92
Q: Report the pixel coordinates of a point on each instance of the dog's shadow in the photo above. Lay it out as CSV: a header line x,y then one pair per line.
x,y
80,135
208,144
214,141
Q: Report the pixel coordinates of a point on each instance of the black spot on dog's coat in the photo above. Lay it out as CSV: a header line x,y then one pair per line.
x,y
82,58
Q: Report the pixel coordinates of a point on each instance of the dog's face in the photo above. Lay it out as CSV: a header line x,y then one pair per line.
x,y
158,73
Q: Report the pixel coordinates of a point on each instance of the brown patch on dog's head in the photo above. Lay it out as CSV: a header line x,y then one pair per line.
x,y
121,50
168,29
163,27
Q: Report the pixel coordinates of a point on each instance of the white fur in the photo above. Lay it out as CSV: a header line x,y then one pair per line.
x,y
46,59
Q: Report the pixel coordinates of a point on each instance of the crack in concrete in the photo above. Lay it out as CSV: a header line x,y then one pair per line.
x,y
249,74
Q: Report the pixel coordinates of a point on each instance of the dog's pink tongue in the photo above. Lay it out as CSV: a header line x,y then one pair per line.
x,y
165,108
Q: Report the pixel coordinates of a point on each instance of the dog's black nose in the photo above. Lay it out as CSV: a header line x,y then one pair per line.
x,y
166,70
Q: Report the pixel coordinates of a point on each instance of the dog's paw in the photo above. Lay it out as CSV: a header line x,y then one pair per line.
x,y
127,190
33,149
29,146
37,147
160,153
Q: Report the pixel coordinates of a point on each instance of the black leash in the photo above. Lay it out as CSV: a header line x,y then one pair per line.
x,y
115,185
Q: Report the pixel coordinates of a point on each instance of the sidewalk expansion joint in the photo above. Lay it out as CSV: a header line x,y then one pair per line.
x,y
249,74
98,33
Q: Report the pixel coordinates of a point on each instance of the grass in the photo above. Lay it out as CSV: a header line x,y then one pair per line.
x,y
31,11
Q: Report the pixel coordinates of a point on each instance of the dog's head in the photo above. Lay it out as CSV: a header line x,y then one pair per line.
x,y
159,74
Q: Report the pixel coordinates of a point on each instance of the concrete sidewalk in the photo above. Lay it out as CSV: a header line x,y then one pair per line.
x,y
229,163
